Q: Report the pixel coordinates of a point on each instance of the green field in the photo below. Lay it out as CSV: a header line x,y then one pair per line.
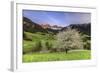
x,y
32,53
57,56
29,46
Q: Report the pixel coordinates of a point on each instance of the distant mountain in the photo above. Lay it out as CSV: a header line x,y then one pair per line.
x,y
53,27
83,28
45,26
30,26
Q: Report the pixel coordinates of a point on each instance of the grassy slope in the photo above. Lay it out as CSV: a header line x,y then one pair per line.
x,y
74,55
39,36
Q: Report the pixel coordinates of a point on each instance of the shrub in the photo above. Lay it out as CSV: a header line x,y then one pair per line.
x,y
87,45
87,41
38,46
27,36
48,45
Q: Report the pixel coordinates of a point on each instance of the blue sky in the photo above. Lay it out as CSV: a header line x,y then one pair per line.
x,y
57,18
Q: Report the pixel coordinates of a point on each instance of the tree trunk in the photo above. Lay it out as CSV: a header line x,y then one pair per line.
x,y
66,50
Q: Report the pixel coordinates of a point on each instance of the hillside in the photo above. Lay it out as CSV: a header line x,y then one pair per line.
x,y
82,28
30,26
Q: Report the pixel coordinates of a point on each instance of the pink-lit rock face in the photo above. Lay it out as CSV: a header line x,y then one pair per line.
x,y
55,27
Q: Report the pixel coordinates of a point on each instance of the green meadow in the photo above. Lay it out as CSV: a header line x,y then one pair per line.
x,y
31,53
58,56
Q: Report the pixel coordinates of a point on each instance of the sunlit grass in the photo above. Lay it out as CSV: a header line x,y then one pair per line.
x,y
58,56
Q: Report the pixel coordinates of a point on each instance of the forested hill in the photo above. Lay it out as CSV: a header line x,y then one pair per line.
x,y
83,28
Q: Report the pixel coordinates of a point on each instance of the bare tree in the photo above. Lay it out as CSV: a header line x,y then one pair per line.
x,y
69,39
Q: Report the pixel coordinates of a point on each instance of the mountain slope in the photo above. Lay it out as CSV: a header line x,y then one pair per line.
x,y
30,26
83,28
